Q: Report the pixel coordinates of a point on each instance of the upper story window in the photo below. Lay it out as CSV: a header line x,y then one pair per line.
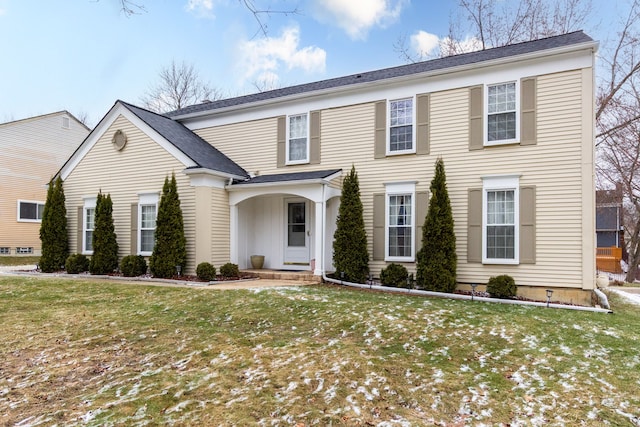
x,y
501,220
29,211
401,119
502,117
298,139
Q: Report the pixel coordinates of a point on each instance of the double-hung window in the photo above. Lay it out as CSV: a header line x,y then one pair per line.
x,y
500,220
502,115
88,219
147,212
400,223
401,126
298,139
29,211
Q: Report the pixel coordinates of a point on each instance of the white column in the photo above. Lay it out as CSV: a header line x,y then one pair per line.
x,y
319,239
233,233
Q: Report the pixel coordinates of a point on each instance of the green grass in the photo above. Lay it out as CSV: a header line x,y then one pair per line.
x,y
19,260
99,353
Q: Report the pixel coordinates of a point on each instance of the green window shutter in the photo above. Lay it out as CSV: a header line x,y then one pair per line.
x,y
380,138
422,119
79,248
314,138
134,229
422,206
476,118
474,225
378,226
528,225
282,136
528,111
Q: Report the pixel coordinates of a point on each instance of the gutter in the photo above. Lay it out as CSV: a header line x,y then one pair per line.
x,y
462,297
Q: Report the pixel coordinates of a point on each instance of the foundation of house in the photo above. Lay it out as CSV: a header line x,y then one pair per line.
x,y
573,296
304,276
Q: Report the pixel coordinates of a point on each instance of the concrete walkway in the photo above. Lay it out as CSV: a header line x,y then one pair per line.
x,y
29,270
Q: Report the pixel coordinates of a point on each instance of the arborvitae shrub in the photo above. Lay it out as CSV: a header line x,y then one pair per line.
x,y
395,275
76,263
105,246
53,230
502,286
206,271
350,255
133,265
229,270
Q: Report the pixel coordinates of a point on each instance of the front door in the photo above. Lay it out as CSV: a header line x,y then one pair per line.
x,y
296,239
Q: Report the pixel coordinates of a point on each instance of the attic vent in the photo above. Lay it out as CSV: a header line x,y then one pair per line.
x,y
66,123
119,140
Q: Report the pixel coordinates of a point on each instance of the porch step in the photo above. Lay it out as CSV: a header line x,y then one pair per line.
x,y
304,276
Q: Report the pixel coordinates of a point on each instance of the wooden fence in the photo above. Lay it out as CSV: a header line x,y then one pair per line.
x,y
608,259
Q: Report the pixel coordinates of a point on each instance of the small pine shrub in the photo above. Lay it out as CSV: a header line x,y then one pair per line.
x,y
206,271
502,286
76,263
229,270
395,276
133,265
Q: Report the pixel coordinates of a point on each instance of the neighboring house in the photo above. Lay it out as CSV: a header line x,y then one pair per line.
x,y
261,174
610,230
32,150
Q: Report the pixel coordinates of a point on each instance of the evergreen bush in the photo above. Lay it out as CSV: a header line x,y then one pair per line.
x,y
76,263
53,230
229,270
502,286
105,246
206,271
133,265
437,260
395,275
350,253
170,249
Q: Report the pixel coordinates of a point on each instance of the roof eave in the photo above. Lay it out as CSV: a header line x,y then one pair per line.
x,y
212,172
593,45
314,181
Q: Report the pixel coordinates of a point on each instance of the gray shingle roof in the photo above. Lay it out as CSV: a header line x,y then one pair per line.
x,y
569,39
291,176
196,148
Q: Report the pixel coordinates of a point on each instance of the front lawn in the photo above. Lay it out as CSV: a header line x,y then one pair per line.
x,y
101,353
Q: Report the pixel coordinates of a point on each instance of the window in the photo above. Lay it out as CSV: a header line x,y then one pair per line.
x,y
5,251
500,220
400,222
297,141
147,211
29,211
89,217
24,251
502,117
401,126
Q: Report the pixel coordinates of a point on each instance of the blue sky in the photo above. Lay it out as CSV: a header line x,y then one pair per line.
x,y
83,55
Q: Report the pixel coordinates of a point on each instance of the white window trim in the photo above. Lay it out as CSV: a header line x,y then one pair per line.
x,y
413,127
89,203
400,189
145,199
288,125
37,202
485,119
501,182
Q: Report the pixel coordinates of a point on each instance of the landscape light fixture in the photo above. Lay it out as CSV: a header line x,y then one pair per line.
x,y
178,269
341,277
370,280
549,293
473,290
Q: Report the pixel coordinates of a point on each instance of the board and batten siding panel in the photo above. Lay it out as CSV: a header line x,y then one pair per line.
x,y
140,167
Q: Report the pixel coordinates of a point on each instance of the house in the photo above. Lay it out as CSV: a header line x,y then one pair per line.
x,y
261,174
610,230
32,150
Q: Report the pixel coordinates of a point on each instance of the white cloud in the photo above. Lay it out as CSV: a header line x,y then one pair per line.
x,y
424,43
263,58
202,8
357,17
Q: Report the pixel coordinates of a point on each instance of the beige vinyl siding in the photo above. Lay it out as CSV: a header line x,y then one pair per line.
x,y
140,167
220,249
31,152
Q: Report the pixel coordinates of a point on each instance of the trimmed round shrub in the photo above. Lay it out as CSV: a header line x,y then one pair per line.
x,y
502,286
206,271
395,276
76,263
133,265
229,270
